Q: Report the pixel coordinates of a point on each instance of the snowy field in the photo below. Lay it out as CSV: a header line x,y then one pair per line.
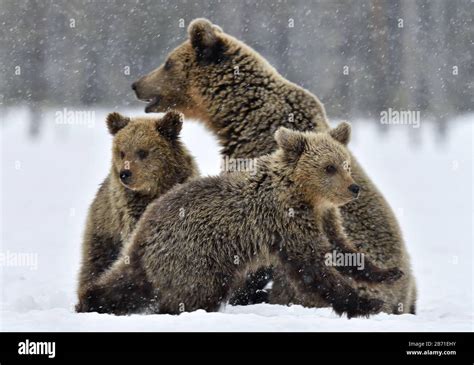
x,y
48,183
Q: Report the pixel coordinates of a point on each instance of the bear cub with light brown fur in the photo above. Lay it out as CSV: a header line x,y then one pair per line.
x,y
193,243
148,159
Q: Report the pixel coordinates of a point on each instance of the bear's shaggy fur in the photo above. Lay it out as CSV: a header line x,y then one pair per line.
x,y
147,160
241,98
192,243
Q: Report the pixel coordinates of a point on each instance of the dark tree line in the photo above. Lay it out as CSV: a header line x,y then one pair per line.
x,y
359,57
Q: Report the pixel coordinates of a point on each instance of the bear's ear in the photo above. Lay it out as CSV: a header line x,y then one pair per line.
x,y
342,133
170,125
115,122
292,142
217,28
205,40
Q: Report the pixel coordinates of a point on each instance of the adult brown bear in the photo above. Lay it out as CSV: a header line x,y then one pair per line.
x,y
242,99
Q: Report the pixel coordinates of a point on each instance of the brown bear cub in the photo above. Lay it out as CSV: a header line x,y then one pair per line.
x,y
192,244
148,159
242,99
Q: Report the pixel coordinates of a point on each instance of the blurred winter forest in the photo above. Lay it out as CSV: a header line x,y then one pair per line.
x,y
358,57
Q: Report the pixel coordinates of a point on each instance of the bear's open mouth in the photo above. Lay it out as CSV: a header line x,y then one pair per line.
x,y
152,103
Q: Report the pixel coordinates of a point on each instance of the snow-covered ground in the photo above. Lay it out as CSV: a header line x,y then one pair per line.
x,y
48,183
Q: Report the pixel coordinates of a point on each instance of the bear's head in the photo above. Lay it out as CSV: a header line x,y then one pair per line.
x,y
194,68
146,151
319,164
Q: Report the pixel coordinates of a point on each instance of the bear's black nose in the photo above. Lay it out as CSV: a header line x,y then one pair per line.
x,y
354,189
134,86
125,175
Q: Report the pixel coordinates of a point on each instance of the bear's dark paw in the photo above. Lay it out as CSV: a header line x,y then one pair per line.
x,y
89,301
359,307
84,306
365,307
261,296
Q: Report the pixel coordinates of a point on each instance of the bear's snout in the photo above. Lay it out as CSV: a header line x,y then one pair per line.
x,y
354,189
140,92
125,176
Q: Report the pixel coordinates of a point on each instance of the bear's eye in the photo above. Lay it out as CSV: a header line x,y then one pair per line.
x,y
142,154
168,65
122,155
330,169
